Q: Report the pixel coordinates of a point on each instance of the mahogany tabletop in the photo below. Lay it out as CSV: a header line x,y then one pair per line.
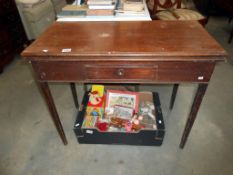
x,y
157,40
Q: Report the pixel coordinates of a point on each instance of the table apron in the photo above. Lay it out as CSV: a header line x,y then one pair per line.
x,y
124,71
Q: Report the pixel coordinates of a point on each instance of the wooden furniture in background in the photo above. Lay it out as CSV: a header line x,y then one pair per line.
x,y
125,52
231,36
173,10
227,7
217,7
12,35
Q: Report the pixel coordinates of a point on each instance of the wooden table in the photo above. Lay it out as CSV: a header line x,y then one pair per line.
x,y
155,52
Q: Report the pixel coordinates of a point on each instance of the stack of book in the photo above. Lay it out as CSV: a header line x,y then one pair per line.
x,y
73,11
101,7
133,5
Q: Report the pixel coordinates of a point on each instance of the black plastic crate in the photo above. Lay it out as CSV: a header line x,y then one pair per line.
x,y
142,137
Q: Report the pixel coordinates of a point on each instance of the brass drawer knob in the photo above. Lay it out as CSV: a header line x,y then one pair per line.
x,y
120,72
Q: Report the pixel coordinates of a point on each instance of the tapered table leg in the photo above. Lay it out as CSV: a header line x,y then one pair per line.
x,y
49,100
74,93
173,97
193,113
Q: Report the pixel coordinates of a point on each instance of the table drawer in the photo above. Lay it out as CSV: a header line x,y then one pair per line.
x,y
121,72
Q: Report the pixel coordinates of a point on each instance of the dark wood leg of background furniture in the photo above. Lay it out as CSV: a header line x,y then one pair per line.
x,y
193,113
74,93
173,97
231,36
49,100
230,19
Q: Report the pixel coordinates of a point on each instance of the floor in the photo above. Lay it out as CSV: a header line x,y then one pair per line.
x,y
30,144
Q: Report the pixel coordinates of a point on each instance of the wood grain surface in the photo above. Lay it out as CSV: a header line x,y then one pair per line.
x,y
153,40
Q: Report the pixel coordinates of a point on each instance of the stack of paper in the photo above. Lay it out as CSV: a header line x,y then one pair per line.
x,y
101,7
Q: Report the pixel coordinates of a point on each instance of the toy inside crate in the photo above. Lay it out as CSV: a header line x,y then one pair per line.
x,y
133,118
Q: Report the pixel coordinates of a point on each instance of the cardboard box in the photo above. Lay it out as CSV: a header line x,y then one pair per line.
x,y
153,137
